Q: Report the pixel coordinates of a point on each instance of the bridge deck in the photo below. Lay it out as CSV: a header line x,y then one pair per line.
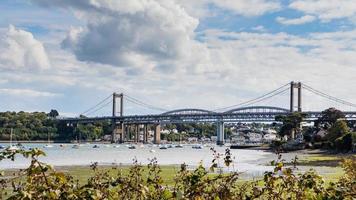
x,y
201,117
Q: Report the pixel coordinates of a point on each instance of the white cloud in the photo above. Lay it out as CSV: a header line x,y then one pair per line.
x,y
259,28
297,21
20,50
326,10
26,92
221,69
132,33
249,8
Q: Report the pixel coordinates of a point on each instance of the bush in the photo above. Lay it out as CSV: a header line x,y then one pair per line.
x,y
344,143
41,181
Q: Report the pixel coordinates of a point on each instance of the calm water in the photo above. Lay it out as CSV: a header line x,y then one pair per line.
x,y
244,160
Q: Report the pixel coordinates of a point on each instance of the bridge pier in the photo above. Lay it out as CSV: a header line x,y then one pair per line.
x,y
157,134
220,133
122,132
137,130
145,134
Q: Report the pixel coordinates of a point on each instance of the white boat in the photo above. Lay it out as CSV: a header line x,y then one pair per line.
x,y
132,147
76,146
152,151
163,147
48,146
179,146
12,147
116,146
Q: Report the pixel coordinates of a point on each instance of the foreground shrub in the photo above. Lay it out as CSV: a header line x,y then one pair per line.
x,y
41,181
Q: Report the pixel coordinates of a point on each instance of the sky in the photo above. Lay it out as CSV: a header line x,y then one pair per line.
x,y
70,55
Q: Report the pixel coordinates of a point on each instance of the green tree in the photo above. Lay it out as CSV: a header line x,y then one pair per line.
x,y
338,129
53,113
329,117
290,123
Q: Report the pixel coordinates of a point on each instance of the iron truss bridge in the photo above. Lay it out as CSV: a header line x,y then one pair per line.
x,y
243,114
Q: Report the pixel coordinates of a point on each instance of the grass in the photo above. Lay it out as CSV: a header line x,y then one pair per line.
x,y
330,160
82,173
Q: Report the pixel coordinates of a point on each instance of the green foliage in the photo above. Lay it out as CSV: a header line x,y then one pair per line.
x,y
329,117
38,125
27,126
338,129
291,123
344,143
53,113
41,181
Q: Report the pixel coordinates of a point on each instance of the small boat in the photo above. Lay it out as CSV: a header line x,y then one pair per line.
x,y
13,148
197,146
163,147
62,145
76,146
179,146
169,146
48,146
2,147
132,147
96,146
152,151
116,146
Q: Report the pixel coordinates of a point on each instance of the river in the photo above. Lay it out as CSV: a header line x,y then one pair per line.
x,y
244,160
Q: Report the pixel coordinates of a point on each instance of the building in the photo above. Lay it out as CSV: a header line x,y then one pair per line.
x,y
269,137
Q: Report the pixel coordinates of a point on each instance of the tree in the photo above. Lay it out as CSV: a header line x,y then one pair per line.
x,y
290,123
53,113
329,117
338,129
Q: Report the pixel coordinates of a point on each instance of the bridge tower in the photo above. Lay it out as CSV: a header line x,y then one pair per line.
x,y
220,133
298,86
116,131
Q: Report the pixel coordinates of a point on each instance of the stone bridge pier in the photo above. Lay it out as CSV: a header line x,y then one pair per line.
x,y
220,133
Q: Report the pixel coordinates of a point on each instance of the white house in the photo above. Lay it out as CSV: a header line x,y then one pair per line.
x,y
269,137
254,137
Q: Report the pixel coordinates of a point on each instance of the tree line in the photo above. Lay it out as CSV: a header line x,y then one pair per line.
x,y
330,131
29,126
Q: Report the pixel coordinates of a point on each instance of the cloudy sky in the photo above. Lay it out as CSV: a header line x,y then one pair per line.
x,y
208,54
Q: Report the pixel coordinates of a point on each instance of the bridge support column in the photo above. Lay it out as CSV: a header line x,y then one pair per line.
x,y
145,134
220,133
125,133
157,134
137,129
297,85
121,132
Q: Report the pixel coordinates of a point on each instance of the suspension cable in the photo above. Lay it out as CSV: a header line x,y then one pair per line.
x,y
95,106
322,94
249,102
143,104
268,97
103,106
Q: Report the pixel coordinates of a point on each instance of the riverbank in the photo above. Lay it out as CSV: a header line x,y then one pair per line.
x,y
327,165
323,163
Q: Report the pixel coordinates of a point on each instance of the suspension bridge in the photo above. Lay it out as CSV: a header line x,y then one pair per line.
x,y
244,112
